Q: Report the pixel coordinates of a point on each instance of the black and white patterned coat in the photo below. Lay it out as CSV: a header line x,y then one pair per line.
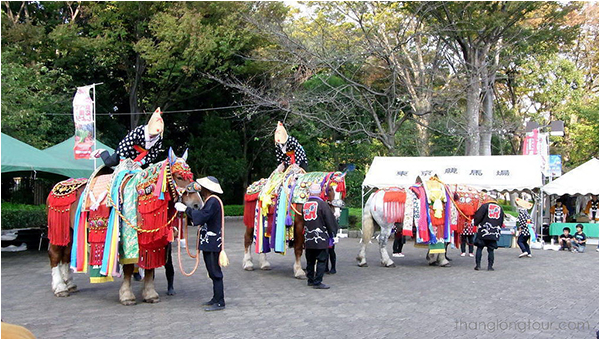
x,y
138,137
523,218
291,145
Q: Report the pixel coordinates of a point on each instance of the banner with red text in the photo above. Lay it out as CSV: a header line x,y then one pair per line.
x,y
83,108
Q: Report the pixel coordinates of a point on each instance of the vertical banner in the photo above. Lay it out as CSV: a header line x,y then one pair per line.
x,y
83,115
531,143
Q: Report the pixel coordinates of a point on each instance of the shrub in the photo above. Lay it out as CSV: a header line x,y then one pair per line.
x,y
234,210
16,216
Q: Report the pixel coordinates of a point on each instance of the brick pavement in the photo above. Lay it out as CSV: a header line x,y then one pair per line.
x,y
410,301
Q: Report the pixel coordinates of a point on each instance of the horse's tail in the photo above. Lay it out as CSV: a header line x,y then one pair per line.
x,y
368,223
249,210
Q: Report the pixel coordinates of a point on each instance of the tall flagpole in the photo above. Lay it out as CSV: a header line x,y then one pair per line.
x,y
95,135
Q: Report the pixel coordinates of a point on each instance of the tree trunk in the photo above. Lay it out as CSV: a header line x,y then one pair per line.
x,y
424,144
487,124
473,113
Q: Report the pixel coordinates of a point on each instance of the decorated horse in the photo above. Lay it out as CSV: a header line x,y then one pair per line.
x,y
273,212
117,217
431,212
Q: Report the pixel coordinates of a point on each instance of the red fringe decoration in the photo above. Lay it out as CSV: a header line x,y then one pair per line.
x,y
395,196
437,221
97,223
150,258
394,205
249,211
341,189
59,218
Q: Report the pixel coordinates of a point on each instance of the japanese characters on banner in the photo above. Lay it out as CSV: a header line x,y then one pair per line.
x,y
531,143
536,143
83,108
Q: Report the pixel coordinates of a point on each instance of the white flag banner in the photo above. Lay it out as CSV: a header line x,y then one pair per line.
x,y
83,115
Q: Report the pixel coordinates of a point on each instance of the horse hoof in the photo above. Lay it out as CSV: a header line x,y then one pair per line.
x,y
249,269
391,265
445,265
363,264
266,268
63,294
73,289
152,300
128,302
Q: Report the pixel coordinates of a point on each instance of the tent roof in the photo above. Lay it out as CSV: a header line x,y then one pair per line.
x,y
64,152
18,156
580,180
501,173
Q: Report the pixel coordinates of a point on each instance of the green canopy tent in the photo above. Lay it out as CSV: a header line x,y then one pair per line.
x,y
64,152
18,156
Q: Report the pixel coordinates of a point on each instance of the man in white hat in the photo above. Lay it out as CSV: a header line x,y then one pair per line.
x,y
210,218
288,150
141,145
320,226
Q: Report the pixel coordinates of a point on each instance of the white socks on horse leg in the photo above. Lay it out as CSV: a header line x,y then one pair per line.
x,y
264,264
67,276
58,285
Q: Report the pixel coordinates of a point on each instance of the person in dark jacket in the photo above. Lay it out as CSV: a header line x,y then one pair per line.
x,y
210,218
288,150
489,220
320,225
142,145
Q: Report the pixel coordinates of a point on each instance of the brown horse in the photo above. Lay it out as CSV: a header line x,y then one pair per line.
x,y
334,189
62,218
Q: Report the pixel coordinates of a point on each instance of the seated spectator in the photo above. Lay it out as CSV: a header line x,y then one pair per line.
x,y
559,212
565,240
580,239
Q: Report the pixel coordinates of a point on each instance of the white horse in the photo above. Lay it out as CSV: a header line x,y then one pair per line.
x,y
373,215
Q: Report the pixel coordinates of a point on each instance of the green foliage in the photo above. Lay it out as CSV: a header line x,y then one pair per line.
x,y
16,216
234,210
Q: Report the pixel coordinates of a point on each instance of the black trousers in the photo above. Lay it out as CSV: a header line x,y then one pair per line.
x,y
332,258
216,274
110,160
169,269
491,246
523,243
316,264
467,239
398,242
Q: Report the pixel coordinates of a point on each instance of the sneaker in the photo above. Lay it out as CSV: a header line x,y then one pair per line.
x,y
398,254
310,283
597,249
560,249
471,255
321,286
522,255
463,254
215,307
208,303
477,268
529,255
490,269
333,271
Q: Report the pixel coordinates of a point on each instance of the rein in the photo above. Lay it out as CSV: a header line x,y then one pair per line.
x,y
186,235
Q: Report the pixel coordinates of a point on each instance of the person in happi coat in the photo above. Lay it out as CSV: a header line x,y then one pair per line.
x,y
320,226
522,226
489,220
288,150
592,209
210,218
559,212
142,145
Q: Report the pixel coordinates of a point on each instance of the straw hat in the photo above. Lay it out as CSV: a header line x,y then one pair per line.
x,y
211,184
523,203
156,124
281,134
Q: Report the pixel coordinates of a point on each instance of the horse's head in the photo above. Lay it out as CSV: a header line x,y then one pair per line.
x,y
335,192
187,188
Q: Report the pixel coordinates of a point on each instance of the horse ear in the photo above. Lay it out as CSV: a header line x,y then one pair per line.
x,y
184,157
171,155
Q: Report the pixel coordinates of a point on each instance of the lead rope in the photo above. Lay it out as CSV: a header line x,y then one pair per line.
x,y
223,260
197,256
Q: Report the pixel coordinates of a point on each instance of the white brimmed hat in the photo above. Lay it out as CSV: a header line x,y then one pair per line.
x,y
523,203
281,134
315,189
211,184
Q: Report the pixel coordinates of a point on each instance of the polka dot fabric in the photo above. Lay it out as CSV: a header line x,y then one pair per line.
x,y
291,145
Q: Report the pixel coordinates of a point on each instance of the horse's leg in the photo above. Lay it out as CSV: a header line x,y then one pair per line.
x,y
298,246
367,232
149,293
248,264
65,269
383,239
59,287
126,296
264,264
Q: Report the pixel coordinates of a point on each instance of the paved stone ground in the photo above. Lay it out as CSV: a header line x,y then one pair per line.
x,y
413,300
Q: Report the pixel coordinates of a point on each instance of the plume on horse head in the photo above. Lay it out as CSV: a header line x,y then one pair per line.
x,y
179,165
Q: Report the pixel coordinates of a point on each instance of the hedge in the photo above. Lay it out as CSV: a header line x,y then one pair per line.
x,y
16,216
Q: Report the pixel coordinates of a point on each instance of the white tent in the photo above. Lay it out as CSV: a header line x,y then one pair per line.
x,y
581,180
500,173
